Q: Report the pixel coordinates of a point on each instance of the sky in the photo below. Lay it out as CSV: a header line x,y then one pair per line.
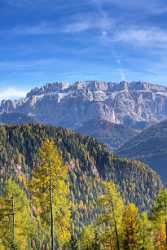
x,y
45,41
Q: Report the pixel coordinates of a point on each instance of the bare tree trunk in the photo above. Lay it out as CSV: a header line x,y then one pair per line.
x,y
13,219
51,212
166,233
115,225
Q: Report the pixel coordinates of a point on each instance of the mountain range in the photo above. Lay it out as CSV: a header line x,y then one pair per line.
x,y
150,146
135,105
125,116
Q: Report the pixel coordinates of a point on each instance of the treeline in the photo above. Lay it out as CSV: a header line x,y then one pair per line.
x,y
37,212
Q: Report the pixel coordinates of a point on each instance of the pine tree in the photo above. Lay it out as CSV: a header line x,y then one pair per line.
x,y
50,193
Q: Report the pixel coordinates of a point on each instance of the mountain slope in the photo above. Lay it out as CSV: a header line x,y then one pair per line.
x,y
113,135
135,105
16,119
72,105
151,147
87,160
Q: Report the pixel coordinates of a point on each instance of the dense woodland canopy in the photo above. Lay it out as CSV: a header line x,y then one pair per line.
x,y
69,192
87,160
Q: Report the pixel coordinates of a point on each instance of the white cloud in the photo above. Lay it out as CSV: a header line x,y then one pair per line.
x,y
26,65
81,24
12,93
108,28
42,28
152,37
100,23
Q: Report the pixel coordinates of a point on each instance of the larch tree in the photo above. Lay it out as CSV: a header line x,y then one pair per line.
x,y
159,216
16,226
146,239
87,238
131,229
50,195
111,214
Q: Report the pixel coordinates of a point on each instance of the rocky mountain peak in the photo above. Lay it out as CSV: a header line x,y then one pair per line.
x,y
72,105
146,86
94,85
7,106
48,89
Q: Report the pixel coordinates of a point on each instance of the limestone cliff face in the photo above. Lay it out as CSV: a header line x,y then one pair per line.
x,y
72,105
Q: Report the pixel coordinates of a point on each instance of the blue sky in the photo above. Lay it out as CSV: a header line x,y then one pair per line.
x,y
53,40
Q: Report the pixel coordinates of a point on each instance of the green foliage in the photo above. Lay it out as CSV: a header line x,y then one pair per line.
x,y
86,160
16,223
131,228
111,214
135,229
160,206
145,236
159,217
79,178
50,193
87,238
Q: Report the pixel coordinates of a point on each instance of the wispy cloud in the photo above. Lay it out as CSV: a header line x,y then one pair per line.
x,y
88,23
85,23
107,27
138,36
12,93
19,65
42,28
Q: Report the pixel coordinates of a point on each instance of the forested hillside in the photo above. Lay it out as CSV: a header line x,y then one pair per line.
x,y
60,190
87,161
150,146
16,119
111,134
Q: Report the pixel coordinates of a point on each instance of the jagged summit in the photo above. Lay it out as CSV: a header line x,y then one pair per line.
x,y
48,88
51,88
134,104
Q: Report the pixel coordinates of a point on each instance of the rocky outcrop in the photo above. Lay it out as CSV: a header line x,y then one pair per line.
x,y
72,105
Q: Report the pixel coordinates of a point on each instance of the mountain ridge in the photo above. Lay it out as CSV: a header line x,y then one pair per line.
x,y
87,161
99,92
150,146
111,134
134,105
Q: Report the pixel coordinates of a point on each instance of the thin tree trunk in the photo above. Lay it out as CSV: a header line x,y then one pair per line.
x,y
115,225
166,224
166,233
51,211
13,219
